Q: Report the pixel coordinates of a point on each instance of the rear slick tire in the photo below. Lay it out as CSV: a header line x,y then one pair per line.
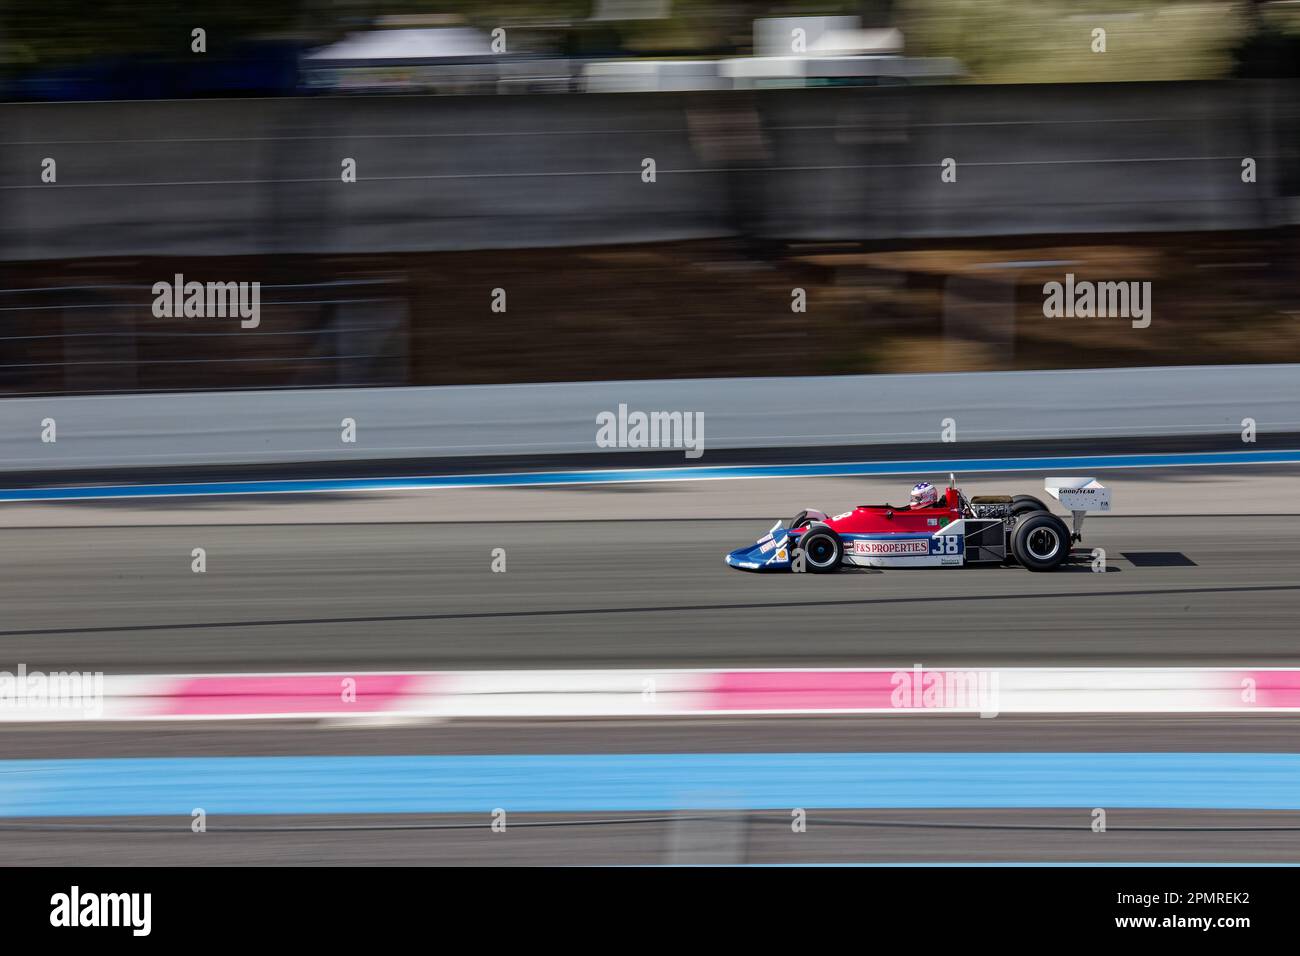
x,y
1027,504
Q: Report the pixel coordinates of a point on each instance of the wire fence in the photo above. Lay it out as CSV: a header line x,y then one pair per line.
x,y
108,338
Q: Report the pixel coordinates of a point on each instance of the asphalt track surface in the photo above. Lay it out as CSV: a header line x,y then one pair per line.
x,y
649,593
407,466
114,591
833,836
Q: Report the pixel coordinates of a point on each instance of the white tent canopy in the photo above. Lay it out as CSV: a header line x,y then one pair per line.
x,y
407,44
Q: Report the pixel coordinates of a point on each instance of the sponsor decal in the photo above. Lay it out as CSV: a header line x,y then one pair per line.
x,y
943,522
767,546
946,544
914,546
932,522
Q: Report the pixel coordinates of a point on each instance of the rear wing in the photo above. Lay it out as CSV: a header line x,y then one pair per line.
x,y
1079,496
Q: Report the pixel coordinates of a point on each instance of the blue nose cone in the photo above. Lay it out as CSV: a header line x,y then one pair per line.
x,y
754,557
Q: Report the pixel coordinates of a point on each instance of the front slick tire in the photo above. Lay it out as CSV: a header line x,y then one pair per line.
x,y
822,551
1041,542
797,521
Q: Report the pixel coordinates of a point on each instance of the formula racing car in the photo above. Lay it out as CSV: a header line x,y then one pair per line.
x,y
935,529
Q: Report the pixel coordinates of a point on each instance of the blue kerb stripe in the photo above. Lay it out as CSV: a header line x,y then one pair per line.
x,y
537,783
1078,463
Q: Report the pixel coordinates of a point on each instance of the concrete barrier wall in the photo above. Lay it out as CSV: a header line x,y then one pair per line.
x,y
473,421
232,177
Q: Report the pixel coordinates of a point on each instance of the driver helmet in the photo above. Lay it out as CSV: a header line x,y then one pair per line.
x,y
924,495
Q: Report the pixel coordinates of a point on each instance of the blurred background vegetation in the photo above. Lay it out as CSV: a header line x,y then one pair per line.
x,y
1050,41
998,41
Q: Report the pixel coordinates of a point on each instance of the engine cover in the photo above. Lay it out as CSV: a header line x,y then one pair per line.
x,y
991,506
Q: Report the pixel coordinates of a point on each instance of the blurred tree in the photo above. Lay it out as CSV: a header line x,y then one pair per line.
x,y
69,31
1272,47
1045,41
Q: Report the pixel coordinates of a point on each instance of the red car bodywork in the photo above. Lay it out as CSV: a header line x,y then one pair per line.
x,y
886,519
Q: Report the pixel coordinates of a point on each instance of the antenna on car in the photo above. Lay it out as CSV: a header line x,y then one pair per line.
x,y
952,480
